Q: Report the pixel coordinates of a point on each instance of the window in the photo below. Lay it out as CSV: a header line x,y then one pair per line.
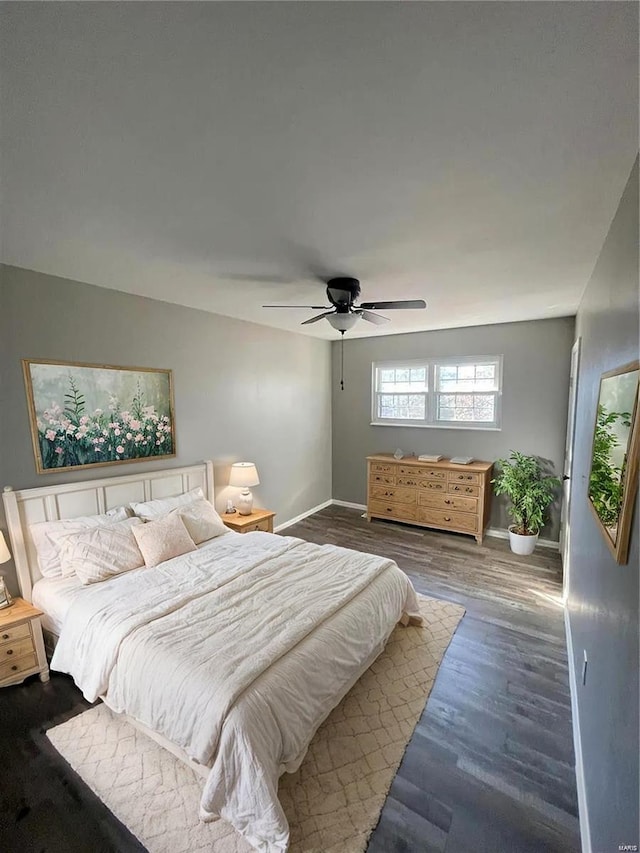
x,y
462,393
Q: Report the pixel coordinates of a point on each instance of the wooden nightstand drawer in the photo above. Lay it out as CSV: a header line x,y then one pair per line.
x,y
14,667
21,647
16,632
264,525
16,649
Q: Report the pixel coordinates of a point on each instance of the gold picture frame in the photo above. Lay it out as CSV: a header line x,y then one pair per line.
x,y
613,475
91,415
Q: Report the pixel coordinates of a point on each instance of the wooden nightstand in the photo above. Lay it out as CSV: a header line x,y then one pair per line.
x,y
21,645
260,519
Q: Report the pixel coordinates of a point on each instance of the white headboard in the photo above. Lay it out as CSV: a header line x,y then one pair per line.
x,y
91,497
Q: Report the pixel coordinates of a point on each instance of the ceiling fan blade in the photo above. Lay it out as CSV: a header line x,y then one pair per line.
x,y
390,306
378,319
310,307
316,318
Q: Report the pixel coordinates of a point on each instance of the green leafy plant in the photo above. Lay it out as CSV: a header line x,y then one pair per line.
x,y
606,479
529,489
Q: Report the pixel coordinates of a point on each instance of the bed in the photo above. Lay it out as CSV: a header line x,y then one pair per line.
x,y
230,655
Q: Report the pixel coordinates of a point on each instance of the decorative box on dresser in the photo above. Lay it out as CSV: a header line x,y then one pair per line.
x,y
21,646
430,494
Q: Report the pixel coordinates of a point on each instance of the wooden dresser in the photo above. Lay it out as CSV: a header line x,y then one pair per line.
x,y
430,494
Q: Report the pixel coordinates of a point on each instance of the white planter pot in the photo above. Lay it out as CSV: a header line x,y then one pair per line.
x,y
524,545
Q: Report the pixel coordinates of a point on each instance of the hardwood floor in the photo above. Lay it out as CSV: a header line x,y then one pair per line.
x,y
489,767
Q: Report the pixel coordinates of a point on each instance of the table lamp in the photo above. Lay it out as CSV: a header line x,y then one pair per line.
x,y
244,475
5,556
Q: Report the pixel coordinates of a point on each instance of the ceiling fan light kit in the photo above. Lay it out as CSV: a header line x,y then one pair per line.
x,y
342,293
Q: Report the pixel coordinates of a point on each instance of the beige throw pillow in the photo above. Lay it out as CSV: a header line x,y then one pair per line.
x,y
202,521
163,539
102,552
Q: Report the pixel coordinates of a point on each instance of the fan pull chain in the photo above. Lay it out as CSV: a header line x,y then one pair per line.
x,y
342,360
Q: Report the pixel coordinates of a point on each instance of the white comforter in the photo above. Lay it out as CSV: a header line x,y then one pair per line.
x,y
236,653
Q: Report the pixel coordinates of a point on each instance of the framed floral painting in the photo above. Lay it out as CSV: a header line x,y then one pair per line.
x,y
98,414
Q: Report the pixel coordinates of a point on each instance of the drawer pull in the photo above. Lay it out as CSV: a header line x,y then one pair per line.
x,y
447,501
9,651
5,636
447,518
469,490
14,667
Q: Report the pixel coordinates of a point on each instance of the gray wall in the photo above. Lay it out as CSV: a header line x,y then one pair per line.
x,y
242,391
534,401
603,596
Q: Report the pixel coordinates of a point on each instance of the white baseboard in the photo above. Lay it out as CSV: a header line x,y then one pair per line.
x,y
585,832
302,515
500,533
349,505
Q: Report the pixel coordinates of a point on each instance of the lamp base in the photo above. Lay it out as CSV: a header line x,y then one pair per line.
x,y
244,502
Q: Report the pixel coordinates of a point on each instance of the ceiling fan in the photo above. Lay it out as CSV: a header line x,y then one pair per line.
x,y
342,293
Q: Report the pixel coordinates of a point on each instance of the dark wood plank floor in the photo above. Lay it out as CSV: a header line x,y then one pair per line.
x,y
490,765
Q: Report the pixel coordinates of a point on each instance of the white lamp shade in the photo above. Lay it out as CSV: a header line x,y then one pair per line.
x,y
5,554
244,475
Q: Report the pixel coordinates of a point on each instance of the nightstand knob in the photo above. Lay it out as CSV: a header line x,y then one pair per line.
x,y
9,651
14,667
5,636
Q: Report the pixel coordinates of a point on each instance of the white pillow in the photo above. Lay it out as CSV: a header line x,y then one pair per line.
x,y
102,552
201,520
151,510
163,539
47,536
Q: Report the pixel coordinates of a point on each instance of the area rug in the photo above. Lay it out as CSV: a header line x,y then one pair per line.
x,y
333,802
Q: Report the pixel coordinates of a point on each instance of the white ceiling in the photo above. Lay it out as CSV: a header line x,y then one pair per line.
x,y
220,155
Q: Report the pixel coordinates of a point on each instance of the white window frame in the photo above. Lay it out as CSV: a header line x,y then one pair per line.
x,y
431,395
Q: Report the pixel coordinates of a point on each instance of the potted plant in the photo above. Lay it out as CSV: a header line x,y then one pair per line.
x,y
530,492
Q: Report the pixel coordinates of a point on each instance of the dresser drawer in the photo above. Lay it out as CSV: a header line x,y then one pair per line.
x,y
393,494
16,649
17,632
464,489
419,471
13,667
383,479
463,477
448,501
444,518
403,512
405,480
382,468
432,485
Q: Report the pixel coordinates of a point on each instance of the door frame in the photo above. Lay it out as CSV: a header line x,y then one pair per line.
x,y
567,470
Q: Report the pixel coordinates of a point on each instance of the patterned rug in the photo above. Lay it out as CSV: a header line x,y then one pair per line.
x,y
333,802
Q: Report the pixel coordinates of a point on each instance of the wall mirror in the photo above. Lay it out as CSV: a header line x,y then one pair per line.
x,y
614,458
